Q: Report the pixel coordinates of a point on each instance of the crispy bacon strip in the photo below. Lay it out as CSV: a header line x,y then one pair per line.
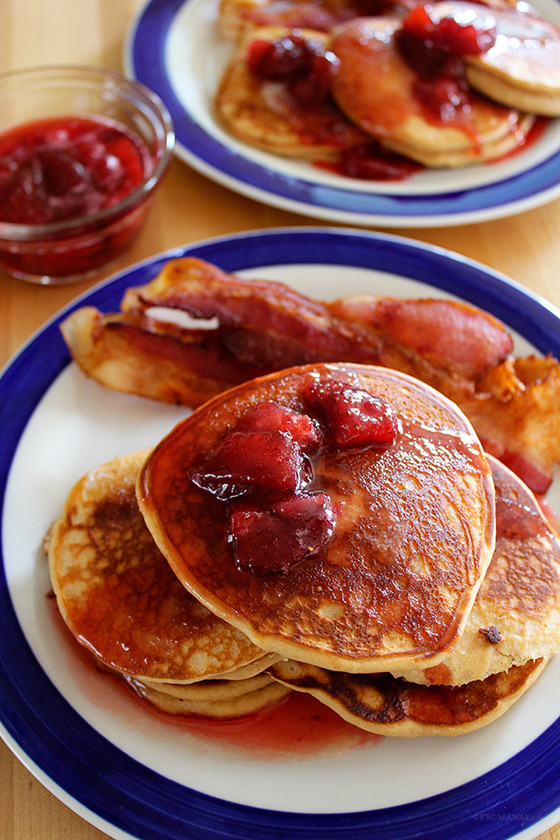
x,y
264,323
271,326
516,414
264,326
515,404
139,355
457,339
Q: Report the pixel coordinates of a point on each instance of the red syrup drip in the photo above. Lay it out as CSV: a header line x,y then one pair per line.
x,y
533,136
297,727
551,514
370,162
373,163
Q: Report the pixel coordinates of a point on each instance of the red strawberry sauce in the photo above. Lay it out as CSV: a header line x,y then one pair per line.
x,y
62,171
60,168
263,472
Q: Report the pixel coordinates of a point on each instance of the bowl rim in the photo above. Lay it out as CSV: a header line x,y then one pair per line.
x,y
161,117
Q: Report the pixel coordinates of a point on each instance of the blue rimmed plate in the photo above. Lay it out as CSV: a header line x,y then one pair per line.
x,y
136,775
174,49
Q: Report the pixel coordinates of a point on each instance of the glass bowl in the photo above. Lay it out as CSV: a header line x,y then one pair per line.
x,y
51,249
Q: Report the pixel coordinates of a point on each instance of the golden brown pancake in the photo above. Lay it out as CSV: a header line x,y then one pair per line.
x,y
242,674
413,537
210,690
516,614
263,114
374,87
246,703
118,596
212,698
385,705
522,69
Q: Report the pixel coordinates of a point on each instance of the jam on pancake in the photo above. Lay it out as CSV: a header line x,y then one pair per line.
x,y
420,104
261,469
123,604
391,516
437,85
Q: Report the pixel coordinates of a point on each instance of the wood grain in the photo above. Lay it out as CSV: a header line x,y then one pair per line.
x,y
188,208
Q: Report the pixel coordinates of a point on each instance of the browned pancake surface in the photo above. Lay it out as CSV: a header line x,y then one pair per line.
x,y
264,114
516,614
385,705
522,69
374,87
413,538
118,595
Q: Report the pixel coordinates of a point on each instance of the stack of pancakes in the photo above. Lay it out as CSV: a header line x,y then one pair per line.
x,y
120,599
435,605
374,91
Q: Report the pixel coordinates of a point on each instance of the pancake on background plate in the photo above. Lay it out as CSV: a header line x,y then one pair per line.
x,y
264,113
121,601
316,543
446,84
237,17
377,89
516,615
522,69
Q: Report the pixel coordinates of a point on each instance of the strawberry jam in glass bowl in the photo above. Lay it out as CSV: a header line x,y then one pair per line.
x,y
82,152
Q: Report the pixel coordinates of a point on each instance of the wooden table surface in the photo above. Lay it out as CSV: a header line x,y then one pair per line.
x,y
189,207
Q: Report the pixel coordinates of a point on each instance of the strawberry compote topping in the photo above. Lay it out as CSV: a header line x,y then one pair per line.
x,y
61,168
434,48
263,472
244,461
269,417
271,539
305,66
306,69
431,45
354,417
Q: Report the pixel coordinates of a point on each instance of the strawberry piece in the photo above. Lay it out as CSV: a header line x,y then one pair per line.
x,y
278,60
306,66
355,417
444,97
427,44
246,460
272,540
61,173
270,417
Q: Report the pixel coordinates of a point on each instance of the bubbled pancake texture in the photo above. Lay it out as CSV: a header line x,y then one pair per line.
x,y
118,595
382,704
414,535
516,615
